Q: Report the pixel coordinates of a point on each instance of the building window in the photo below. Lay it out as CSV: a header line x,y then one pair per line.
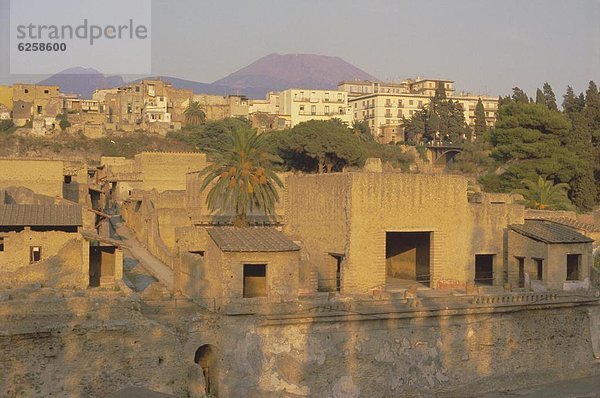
x,y
255,280
420,104
26,91
521,267
539,269
326,96
39,109
327,109
1,243
313,109
573,267
137,89
35,254
410,102
46,91
67,179
340,97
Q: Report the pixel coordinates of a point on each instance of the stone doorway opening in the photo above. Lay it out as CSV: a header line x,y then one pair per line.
x,y
484,269
408,257
206,358
102,266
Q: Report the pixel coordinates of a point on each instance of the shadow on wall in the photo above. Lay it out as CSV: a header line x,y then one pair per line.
x,y
60,271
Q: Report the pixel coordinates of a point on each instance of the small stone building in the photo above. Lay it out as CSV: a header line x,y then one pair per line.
x,y
547,255
33,233
46,244
232,266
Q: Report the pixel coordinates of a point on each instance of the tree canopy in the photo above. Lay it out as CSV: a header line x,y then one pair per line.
x,y
242,180
317,145
194,114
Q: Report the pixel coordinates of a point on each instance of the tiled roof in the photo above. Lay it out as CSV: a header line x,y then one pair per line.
x,y
251,239
570,222
549,232
40,215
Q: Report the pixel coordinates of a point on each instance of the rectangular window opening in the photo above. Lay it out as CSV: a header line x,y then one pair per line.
x,y
539,265
573,267
35,254
521,266
255,280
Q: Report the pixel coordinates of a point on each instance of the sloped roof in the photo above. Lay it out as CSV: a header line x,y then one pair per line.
x,y
251,239
569,222
40,215
549,232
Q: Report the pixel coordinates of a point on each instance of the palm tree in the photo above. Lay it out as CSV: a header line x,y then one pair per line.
x,y
194,114
545,195
241,181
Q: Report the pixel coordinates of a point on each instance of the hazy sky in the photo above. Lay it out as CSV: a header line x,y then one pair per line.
x,y
486,46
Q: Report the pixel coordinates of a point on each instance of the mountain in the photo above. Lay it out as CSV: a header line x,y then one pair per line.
x,y
273,72
276,72
82,81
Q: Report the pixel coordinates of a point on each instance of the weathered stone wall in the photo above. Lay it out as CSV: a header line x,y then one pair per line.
x,y
41,176
409,203
142,218
85,348
71,345
528,249
17,246
68,267
167,171
316,212
404,357
557,264
489,233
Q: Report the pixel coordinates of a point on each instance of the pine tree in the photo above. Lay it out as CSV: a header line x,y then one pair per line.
x,y
592,106
591,113
570,103
583,188
519,96
581,102
539,97
549,97
480,125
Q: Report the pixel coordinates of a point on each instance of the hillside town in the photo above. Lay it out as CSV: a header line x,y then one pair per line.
x,y
158,107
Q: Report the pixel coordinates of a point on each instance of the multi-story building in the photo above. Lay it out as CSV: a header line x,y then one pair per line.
x,y
218,107
144,103
31,101
384,105
301,105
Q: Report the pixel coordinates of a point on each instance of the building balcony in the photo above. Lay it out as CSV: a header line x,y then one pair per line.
x,y
331,114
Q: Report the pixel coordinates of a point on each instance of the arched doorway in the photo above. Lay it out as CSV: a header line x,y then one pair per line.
x,y
206,357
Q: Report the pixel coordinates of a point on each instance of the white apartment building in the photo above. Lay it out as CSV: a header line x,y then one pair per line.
x,y
301,105
383,105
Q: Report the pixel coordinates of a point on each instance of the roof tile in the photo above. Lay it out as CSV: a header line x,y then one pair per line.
x,y
12,215
251,239
549,232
